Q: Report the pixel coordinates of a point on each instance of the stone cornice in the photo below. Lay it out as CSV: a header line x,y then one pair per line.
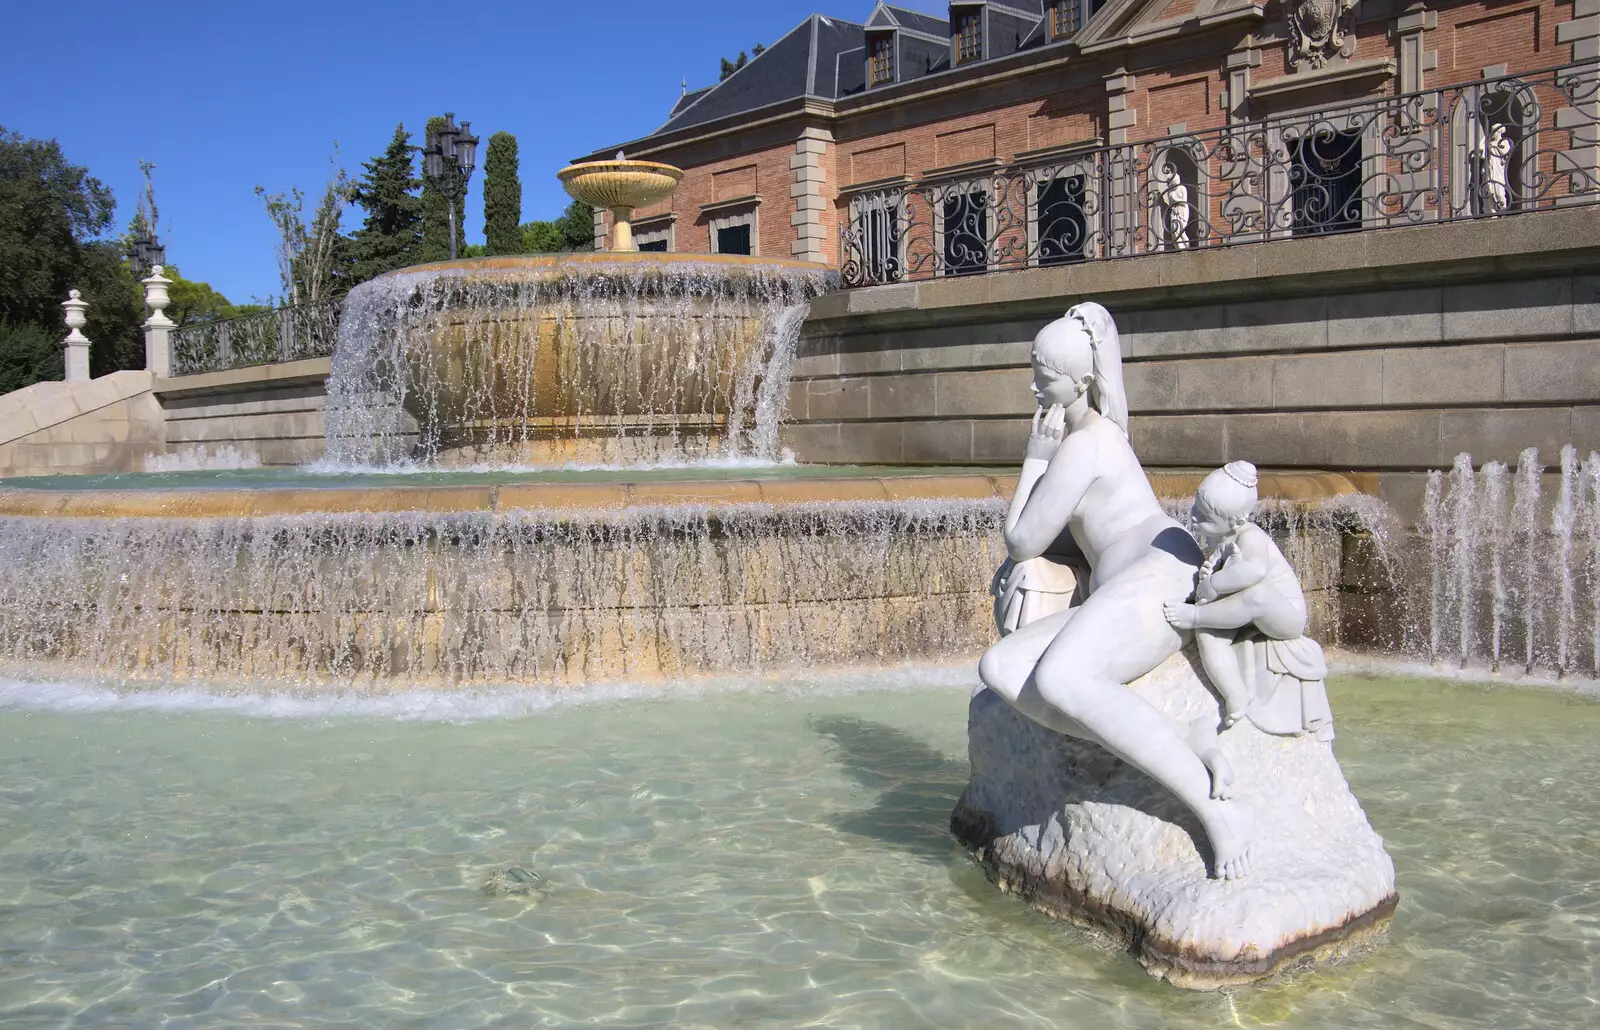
x,y
722,207
1382,68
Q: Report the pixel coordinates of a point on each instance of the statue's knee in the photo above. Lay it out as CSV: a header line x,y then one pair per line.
x,y
992,671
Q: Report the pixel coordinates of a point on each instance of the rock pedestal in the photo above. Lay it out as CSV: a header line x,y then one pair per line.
x,y
1086,837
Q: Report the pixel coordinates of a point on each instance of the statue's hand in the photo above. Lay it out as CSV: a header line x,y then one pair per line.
x,y
1049,427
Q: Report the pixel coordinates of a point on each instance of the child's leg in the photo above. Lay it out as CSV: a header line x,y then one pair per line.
x,y
1222,666
1236,611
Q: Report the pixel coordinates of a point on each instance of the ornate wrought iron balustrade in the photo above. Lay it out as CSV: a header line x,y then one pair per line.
x,y
283,334
1485,149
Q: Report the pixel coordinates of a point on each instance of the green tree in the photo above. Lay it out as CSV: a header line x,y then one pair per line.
x,y
314,258
436,215
502,196
52,217
729,67
391,235
50,212
574,230
28,354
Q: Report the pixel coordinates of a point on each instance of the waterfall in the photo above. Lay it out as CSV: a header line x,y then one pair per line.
x,y
1525,526
608,360
475,599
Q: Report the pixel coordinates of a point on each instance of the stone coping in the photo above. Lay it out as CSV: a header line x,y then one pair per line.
x,y
556,262
1484,249
248,377
1304,487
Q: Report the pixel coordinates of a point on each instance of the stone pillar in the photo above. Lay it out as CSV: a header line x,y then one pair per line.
x,y
1582,162
810,196
1415,62
1237,98
158,327
76,344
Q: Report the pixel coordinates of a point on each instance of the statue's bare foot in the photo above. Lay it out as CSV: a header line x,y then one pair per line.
x,y
1203,740
1216,763
1180,615
1231,830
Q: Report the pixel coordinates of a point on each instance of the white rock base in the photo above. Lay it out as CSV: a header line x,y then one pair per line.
x,y
1086,837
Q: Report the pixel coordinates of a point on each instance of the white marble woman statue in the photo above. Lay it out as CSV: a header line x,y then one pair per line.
x,y
1174,197
1494,154
1082,489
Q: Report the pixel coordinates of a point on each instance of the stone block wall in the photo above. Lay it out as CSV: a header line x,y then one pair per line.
x,y
110,424
268,414
1385,352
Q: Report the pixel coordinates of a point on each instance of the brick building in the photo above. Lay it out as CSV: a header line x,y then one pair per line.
x,y
1030,132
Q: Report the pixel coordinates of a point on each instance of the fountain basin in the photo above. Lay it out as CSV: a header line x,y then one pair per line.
x,y
545,359
465,581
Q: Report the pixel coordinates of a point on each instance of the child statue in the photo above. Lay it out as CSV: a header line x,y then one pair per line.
x,y
1249,615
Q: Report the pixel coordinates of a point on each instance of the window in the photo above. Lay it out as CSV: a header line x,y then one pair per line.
x,y
1063,230
1325,182
966,233
881,69
654,246
969,36
1068,16
734,239
877,225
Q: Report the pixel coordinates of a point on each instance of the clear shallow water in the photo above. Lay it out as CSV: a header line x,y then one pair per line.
x,y
739,860
312,477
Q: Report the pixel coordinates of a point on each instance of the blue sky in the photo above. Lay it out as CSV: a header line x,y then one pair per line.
x,y
223,96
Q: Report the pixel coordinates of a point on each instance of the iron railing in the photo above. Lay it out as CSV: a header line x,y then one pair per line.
x,y
1485,149
282,334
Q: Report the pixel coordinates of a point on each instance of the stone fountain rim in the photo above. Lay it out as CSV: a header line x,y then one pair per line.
x,y
575,498
599,258
625,165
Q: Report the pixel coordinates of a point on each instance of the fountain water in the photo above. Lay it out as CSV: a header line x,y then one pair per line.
x,y
1494,567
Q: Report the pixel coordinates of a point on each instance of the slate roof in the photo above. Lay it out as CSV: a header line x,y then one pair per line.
x,y
825,58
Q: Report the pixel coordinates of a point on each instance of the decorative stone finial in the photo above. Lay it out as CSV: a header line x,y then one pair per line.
x,y
76,344
157,299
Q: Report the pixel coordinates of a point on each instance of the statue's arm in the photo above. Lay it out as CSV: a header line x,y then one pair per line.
x,y
1249,565
1047,495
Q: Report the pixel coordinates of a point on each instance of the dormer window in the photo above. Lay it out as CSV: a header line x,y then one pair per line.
x,y
1068,16
880,66
967,34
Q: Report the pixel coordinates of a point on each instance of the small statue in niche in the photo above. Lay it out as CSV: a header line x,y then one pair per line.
x,y
1173,196
1249,615
1494,161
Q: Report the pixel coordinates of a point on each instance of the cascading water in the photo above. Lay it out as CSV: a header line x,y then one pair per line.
x,y
607,358
481,598
1498,569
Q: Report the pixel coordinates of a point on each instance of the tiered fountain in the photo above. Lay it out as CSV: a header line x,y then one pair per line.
x,y
549,473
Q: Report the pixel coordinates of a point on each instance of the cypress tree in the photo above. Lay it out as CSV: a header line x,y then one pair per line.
x,y
502,196
436,215
391,236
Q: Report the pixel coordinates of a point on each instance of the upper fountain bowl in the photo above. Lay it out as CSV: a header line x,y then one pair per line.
x,y
620,184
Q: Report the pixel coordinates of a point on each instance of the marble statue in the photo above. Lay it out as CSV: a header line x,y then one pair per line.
x,y
1494,158
1153,698
1174,198
1080,478
1249,615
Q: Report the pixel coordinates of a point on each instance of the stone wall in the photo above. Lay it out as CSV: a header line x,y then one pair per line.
x,y
110,424
1386,352
267,414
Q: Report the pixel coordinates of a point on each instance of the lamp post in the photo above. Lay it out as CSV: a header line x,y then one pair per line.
x,y
447,160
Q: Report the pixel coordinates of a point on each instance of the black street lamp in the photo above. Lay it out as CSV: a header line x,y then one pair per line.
x,y
448,159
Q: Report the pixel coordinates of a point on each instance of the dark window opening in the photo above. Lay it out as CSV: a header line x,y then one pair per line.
x,y
969,36
735,239
654,246
880,245
1325,182
1068,16
1063,230
882,63
966,234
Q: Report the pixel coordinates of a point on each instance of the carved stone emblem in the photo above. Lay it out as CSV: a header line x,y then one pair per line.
x,y
1318,29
